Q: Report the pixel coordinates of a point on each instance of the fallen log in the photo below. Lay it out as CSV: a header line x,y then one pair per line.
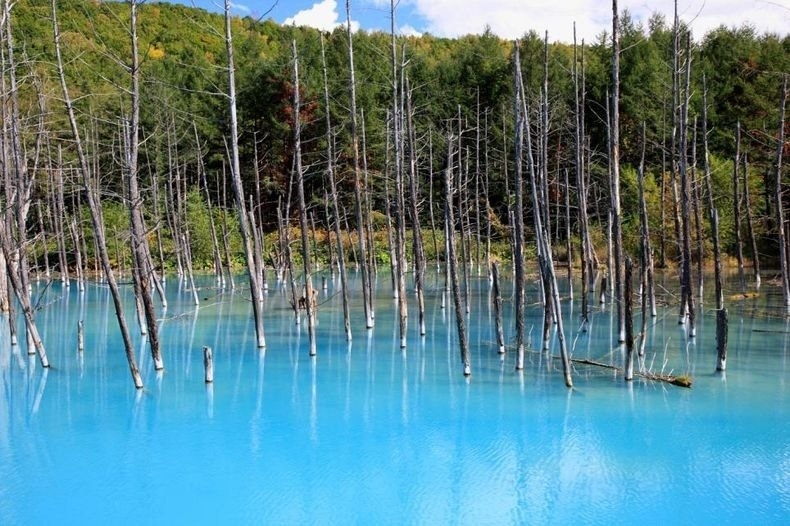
x,y
680,381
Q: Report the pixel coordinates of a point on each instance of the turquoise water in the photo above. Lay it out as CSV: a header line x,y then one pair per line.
x,y
369,434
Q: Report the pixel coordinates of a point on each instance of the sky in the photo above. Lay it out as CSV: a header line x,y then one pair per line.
x,y
511,18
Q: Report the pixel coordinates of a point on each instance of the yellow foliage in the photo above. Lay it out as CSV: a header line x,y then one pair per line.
x,y
156,51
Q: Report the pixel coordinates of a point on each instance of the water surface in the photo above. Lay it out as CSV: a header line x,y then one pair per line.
x,y
368,433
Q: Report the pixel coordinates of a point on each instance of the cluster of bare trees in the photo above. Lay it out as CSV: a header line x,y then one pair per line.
x,y
468,214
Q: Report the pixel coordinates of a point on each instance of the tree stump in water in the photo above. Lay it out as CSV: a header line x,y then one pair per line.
x,y
80,336
208,364
722,329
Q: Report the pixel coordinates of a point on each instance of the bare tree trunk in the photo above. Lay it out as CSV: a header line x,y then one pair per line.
x,y
341,258
43,230
486,195
59,213
14,232
310,303
398,141
358,190
368,209
139,241
518,246
458,300
419,252
695,185
226,235
543,162
687,294
171,207
614,159
497,299
187,244
218,272
5,299
477,184
721,311
675,135
783,252
388,209
284,228
430,199
662,258
257,225
645,253
159,245
463,212
95,209
628,369
750,223
587,273
256,291
22,296
736,200
75,237
552,308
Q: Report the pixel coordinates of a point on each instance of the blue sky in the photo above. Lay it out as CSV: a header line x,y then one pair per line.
x,y
512,18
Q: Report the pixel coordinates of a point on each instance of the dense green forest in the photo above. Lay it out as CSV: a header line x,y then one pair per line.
x,y
463,84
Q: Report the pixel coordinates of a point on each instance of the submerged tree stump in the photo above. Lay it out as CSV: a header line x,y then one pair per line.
x,y
80,336
500,336
628,368
722,330
208,364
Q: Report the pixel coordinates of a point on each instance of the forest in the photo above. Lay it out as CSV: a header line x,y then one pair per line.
x,y
380,151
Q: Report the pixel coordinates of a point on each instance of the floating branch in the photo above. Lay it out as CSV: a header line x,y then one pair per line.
x,y
680,381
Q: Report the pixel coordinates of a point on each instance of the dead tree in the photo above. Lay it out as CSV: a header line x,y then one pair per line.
x,y
388,208
686,290
256,290
19,181
552,308
414,198
736,203
330,172
628,367
587,268
309,294
497,300
518,212
257,220
750,223
94,206
217,258
700,238
141,253
58,211
367,286
721,311
783,251
398,141
458,299
646,281
614,159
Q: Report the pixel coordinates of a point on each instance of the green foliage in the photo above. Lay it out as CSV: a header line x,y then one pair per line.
x,y
198,218
184,115
116,231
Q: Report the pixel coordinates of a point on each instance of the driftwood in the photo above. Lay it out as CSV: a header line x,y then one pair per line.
x,y
680,381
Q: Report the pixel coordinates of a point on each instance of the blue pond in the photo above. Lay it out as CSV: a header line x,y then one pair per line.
x,y
365,433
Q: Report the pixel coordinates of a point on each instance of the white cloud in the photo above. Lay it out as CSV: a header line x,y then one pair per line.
x,y
323,15
240,7
513,18
409,31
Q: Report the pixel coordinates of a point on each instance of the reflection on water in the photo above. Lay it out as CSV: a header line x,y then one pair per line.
x,y
367,432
